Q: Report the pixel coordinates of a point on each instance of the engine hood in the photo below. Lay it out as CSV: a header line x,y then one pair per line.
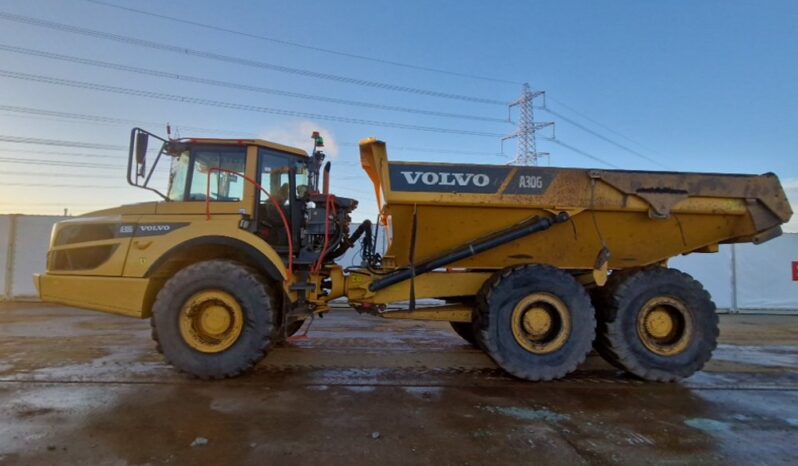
x,y
142,208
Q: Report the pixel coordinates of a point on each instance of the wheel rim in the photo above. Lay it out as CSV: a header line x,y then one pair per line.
x,y
211,321
665,326
541,323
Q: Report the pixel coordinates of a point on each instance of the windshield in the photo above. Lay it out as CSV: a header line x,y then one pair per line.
x,y
192,176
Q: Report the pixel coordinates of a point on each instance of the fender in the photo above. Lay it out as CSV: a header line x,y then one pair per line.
x,y
263,254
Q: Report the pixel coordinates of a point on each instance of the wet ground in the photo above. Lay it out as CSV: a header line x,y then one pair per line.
x,y
78,387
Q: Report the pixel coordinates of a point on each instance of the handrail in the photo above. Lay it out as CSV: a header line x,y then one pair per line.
x,y
276,205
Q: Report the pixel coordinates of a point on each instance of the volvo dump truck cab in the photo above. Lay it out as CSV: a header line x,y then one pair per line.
x,y
533,265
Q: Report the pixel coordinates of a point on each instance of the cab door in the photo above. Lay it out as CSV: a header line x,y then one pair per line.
x,y
283,177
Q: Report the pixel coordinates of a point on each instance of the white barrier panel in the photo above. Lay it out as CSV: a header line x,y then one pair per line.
x,y
714,271
765,274
5,266
30,252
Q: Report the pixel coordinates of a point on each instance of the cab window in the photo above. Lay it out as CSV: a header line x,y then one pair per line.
x,y
178,172
275,172
224,186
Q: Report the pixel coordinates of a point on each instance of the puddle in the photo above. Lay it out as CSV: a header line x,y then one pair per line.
x,y
767,356
708,425
527,414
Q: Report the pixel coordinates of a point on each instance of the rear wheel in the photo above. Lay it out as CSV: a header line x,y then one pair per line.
x,y
601,297
535,321
214,319
658,324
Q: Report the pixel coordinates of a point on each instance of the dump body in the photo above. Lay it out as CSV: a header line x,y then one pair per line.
x,y
641,217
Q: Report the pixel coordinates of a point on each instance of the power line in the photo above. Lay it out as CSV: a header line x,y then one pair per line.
x,y
113,120
58,163
121,121
64,154
294,44
602,137
71,186
58,142
599,124
238,86
54,142
238,60
581,152
427,150
231,105
54,175
304,46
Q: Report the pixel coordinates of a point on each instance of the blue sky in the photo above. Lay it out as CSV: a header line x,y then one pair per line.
x,y
697,85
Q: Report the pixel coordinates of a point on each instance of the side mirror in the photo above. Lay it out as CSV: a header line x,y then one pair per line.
x,y
142,139
137,173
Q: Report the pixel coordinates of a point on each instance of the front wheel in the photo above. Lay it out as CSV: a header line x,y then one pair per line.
x,y
215,319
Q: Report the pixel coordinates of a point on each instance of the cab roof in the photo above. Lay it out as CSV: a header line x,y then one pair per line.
x,y
247,142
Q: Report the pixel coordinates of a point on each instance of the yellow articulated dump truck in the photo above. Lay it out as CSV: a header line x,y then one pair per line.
x,y
536,266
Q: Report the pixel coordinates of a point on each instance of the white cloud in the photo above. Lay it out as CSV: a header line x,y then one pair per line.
x,y
298,135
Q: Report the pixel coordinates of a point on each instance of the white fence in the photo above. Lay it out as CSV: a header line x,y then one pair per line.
x,y
24,240
741,277
748,277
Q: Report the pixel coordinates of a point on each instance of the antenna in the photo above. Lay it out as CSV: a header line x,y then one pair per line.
x,y
527,153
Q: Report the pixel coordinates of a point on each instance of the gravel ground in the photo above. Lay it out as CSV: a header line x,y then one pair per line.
x,y
78,387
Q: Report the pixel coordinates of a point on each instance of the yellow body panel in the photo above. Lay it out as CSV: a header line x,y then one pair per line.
x,y
448,313
126,282
633,238
145,251
124,296
249,142
429,285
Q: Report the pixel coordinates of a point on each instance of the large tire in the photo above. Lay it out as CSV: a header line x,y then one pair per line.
x,y
466,332
154,335
511,331
602,299
216,288
658,324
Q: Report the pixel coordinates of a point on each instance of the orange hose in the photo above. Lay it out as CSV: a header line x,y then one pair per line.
x,y
329,203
